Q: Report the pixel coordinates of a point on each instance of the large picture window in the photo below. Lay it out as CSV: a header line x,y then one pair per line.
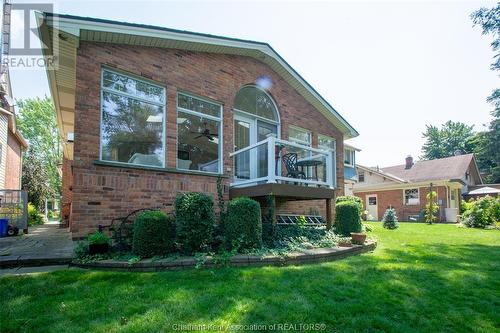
x,y
199,141
133,120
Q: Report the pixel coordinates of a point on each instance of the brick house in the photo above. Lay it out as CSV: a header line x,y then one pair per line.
x,y
12,142
147,112
405,187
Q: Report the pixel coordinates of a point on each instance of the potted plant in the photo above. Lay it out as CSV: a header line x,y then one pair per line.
x,y
98,243
358,238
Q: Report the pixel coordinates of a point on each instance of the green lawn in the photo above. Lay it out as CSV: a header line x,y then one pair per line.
x,y
421,278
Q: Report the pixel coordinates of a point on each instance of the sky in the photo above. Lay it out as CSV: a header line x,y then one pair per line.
x,y
389,68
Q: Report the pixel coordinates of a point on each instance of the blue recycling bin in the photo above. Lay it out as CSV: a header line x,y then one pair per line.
x,y
4,224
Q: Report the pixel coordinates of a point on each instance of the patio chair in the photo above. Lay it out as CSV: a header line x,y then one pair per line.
x,y
290,161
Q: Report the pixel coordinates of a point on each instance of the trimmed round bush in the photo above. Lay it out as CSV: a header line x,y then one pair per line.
x,y
347,218
390,219
195,221
154,234
351,198
243,224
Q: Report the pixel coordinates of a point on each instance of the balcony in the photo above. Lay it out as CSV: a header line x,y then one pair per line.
x,y
283,168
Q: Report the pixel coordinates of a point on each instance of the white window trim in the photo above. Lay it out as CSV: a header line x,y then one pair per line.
x,y
203,115
163,105
351,152
418,196
321,136
302,142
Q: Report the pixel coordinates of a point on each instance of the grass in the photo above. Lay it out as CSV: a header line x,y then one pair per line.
x,y
421,278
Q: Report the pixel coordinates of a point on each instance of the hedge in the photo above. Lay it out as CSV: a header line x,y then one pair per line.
x,y
351,198
154,234
195,221
347,218
243,224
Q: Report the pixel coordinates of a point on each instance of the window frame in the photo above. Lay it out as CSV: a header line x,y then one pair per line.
x,y
220,121
278,118
418,196
359,177
321,136
351,155
298,141
163,105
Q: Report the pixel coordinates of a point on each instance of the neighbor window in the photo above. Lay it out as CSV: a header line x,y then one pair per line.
x,y
348,157
133,120
411,196
199,141
361,177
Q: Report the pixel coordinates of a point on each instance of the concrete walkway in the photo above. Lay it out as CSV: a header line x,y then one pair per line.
x,y
44,245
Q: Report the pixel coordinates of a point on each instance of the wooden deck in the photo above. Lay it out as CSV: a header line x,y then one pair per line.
x,y
288,191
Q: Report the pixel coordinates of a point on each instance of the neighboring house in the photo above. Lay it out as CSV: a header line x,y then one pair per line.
x,y
12,142
350,172
405,187
149,112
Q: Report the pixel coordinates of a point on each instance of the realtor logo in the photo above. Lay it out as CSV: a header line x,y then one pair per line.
x,y
22,47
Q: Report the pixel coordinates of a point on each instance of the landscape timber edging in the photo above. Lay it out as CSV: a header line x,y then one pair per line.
x,y
294,258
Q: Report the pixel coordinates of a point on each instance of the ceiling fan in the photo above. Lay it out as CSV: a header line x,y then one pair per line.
x,y
205,133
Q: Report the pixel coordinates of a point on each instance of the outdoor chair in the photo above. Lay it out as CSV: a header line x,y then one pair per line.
x,y
290,161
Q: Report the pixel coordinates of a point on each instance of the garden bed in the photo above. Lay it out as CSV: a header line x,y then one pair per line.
x,y
176,263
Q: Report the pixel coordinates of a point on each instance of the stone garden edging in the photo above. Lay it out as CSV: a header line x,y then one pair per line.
x,y
294,258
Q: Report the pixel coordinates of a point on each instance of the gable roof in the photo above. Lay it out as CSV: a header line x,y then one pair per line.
x,y
448,168
381,173
64,32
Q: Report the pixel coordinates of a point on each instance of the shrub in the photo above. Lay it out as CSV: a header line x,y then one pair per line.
x,y
390,219
351,198
195,221
154,234
347,218
431,207
482,212
97,238
34,217
243,223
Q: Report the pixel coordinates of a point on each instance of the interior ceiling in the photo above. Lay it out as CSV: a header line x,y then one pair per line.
x,y
63,80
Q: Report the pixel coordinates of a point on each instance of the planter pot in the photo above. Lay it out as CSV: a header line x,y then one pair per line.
x,y
98,248
358,238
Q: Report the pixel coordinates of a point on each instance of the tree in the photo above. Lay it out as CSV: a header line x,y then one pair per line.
x,y
35,179
488,142
37,123
431,207
445,141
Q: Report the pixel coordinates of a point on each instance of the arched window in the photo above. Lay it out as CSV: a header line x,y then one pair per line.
x,y
256,101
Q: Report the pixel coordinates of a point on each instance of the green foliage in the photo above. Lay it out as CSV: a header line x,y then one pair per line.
x,y
352,198
154,234
482,212
34,216
81,250
488,142
36,121
294,237
347,218
98,238
243,223
431,207
195,221
390,219
445,141
220,201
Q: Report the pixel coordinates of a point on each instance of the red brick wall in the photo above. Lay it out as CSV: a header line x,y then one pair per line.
x,y
394,199
101,193
13,166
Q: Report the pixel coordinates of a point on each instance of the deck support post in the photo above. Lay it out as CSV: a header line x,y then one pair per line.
x,y
271,202
329,215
